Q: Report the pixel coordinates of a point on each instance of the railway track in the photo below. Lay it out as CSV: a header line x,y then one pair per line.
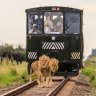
x,y
31,89
58,87
19,89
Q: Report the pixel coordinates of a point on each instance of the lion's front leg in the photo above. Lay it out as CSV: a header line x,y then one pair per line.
x,y
48,81
43,81
51,82
39,83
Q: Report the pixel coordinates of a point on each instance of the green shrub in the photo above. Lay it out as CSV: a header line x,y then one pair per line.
x,y
90,70
13,72
0,77
92,77
87,71
94,83
10,74
25,76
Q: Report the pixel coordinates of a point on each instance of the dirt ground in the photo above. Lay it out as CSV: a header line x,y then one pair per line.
x,y
82,87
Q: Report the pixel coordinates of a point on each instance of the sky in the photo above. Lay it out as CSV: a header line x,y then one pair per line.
x,y
13,19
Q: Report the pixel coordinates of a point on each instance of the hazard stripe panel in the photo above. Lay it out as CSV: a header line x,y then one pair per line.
x,y
75,55
53,45
32,55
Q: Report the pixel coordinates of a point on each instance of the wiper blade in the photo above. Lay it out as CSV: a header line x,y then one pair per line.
x,y
67,27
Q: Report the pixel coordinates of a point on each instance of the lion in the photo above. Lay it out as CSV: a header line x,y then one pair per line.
x,y
54,66
45,69
40,69
34,71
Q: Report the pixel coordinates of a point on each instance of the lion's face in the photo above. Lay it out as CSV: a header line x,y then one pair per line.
x,y
54,64
44,61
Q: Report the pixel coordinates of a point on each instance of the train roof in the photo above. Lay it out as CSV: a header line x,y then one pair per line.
x,y
49,8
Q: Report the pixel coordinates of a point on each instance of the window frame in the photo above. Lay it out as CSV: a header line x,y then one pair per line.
x,y
38,12
62,18
63,12
79,24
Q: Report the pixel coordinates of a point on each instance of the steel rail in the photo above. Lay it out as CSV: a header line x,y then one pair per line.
x,y
58,87
20,89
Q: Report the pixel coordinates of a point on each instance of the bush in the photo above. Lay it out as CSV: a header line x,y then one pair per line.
x,y
13,72
25,76
90,70
92,77
94,83
87,71
0,77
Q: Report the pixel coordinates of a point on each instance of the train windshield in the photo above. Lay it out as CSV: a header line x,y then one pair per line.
x,y
72,23
53,22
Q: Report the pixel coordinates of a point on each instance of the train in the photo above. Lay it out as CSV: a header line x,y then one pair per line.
x,y
57,32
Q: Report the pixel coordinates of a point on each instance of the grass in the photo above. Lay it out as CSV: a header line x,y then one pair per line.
x,y
12,73
90,70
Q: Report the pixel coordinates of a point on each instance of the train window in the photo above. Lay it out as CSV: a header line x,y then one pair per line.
x,y
53,22
34,23
72,23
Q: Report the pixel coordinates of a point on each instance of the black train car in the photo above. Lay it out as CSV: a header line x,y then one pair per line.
x,y
57,32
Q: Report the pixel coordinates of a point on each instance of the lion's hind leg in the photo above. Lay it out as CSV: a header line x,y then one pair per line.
x,y
31,74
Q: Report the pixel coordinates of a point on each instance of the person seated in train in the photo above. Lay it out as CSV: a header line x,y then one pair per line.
x,y
39,24
36,26
58,27
34,29
57,19
32,25
48,24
